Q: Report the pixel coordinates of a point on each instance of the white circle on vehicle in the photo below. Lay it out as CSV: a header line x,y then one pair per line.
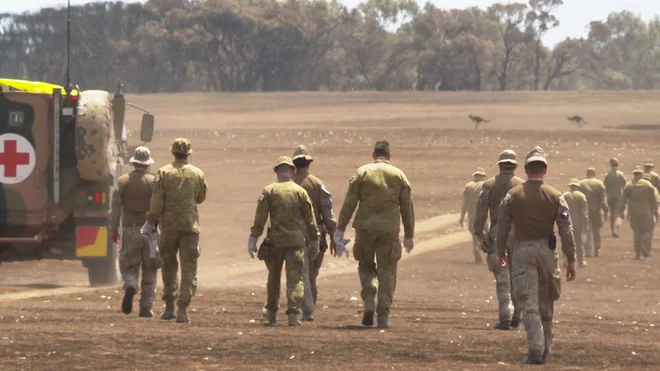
x,y
17,158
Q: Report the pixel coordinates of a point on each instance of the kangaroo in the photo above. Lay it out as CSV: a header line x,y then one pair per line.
x,y
578,120
477,120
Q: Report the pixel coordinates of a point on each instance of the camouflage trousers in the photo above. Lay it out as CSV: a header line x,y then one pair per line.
x,y
378,254
186,246
134,253
537,284
294,258
310,273
508,308
642,236
614,203
593,237
476,245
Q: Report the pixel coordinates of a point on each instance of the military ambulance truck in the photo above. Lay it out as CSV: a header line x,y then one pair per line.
x,y
61,153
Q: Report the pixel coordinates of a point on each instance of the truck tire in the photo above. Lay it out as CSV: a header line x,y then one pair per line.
x,y
104,271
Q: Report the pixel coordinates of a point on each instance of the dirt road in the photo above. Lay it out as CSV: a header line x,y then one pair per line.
x,y
444,306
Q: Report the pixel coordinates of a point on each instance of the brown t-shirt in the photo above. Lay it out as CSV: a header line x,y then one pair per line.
x,y
132,196
492,194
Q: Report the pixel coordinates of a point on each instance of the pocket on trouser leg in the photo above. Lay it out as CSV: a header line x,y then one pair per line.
x,y
396,250
191,249
555,285
357,246
491,261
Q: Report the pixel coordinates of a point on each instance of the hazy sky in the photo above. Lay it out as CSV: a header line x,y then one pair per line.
x,y
574,15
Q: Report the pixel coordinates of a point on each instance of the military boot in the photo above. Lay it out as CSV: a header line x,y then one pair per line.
x,y
146,312
503,325
127,303
307,317
514,324
383,321
533,360
582,264
293,319
369,308
182,316
168,314
271,317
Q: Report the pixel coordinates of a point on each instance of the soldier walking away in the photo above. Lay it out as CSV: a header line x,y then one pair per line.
x,y
178,188
292,230
594,190
641,198
579,211
470,196
325,220
533,208
492,193
651,175
614,182
130,203
477,120
385,200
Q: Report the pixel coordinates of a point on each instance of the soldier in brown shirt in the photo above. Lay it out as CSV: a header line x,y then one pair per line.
x,y
651,175
492,193
470,196
533,208
322,204
642,200
130,203
614,182
594,190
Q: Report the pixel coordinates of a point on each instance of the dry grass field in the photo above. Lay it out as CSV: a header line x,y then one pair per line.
x,y
444,306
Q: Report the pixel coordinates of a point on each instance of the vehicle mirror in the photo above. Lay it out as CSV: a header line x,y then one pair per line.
x,y
147,128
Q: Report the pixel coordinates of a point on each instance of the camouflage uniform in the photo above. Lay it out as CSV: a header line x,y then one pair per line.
x,y
533,208
325,220
470,196
642,200
178,188
594,190
492,193
579,210
385,200
130,202
292,224
651,175
614,182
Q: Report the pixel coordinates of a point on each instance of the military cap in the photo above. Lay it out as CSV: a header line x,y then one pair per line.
x,y
648,163
284,160
302,152
614,162
574,183
507,156
480,171
141,156
536,155
591,170
181,146
638,170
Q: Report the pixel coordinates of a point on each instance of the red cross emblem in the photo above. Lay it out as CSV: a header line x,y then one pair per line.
x,y
11,159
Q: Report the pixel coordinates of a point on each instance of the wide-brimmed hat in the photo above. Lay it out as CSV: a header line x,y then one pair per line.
x,y
649,163
302,152
480,171
284,160
507,156
638,170
574,183
142,156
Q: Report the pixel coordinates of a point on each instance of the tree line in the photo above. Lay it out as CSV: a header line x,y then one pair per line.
x,y
291,45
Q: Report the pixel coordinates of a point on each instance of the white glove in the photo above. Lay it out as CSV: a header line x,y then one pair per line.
x,y
252,246
314,249
409,244
147,228
340,243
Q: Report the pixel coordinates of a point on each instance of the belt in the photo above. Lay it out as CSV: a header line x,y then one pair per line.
x,y
133,225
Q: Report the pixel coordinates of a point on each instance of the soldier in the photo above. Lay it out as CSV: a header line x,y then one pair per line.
x,y
533,208
651,175
325,220
178,188
614,182
470,197
642,200
385,198
130,203
292,228
492,193
594,190
579,210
